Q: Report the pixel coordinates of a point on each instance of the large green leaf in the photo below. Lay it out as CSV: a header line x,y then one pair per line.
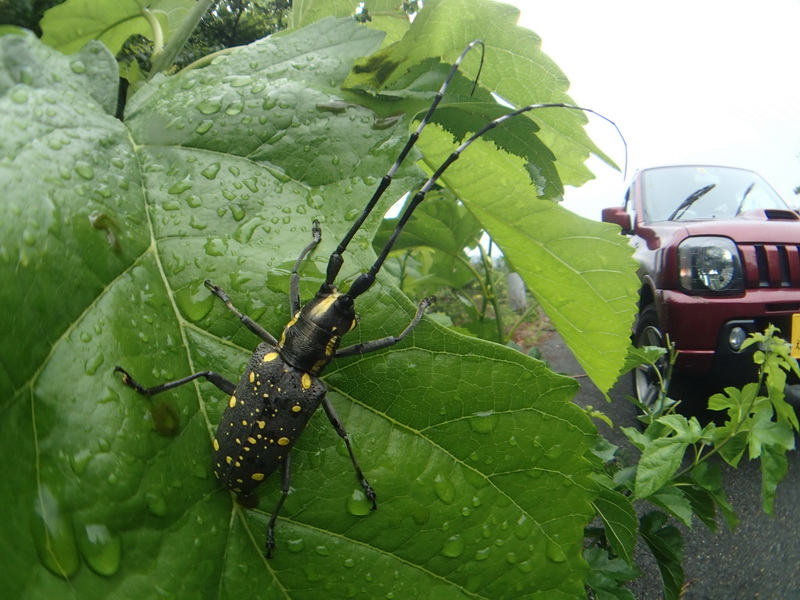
x,y
108,230
70,25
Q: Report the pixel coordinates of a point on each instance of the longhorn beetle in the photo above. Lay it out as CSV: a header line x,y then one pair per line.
x,y
280,389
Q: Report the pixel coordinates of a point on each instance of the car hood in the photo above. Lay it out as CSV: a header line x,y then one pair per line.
x,y
770,226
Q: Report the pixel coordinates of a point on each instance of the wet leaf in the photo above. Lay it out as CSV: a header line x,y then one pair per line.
x,y
109,229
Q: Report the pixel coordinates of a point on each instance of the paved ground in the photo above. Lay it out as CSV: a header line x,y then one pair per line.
x,y
759,560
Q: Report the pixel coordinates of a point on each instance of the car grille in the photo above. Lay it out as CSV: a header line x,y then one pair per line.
x,y
771,265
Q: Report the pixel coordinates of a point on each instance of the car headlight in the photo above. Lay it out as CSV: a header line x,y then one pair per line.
x,y
709,264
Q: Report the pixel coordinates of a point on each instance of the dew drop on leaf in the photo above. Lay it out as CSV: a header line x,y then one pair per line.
x,y
296,545
454,547
204,126
54,536
84,169
484,423
357,504
444,489
554,552
194,301
209,106
93,364
77,66
100,549
210,172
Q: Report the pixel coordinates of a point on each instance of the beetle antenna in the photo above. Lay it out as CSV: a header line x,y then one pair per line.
x,y
364,281
336,261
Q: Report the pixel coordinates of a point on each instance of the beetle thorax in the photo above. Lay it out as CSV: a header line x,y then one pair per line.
x,y
310,339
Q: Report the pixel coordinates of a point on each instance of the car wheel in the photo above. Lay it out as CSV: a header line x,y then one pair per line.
x,y
647,378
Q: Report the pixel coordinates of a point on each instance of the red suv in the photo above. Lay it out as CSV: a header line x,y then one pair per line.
x,y
719,257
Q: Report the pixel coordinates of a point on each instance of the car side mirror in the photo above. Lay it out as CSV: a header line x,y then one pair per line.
x,y
618,216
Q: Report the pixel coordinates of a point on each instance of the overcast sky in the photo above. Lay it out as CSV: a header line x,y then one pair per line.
x,y
687,81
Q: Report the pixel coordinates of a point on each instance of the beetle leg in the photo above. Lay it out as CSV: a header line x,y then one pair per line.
x,y
286,480
218,380
246,321
391,340
337,425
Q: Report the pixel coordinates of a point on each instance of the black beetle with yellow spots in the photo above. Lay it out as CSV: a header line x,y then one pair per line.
x,y
280,389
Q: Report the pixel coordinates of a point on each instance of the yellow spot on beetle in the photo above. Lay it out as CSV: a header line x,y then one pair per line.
x,y
228,459
232,403
251,440
244,422
216,444
257,476
284,441
252,377
305,381
270,356
261,424
296,408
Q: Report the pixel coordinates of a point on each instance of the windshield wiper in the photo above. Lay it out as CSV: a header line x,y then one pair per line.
x,y
690,199
744,197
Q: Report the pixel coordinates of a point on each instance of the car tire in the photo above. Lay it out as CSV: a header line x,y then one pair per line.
x,y
647,378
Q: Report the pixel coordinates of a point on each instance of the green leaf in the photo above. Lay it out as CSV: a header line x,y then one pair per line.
x,y
619,518
514,67
666,544
25,67
608,575
674,501
659,462
580,271
774,466
477,454
70,25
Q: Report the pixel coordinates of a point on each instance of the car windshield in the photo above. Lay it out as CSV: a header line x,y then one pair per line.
x,y
691,193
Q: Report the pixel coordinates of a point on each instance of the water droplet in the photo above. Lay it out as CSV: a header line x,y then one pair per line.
x,y
237,81
237,212
156,503
484,422
216,246
252,184
525,566
210,172
296,545
79,461
349,563
54,536
180,186
454,547
444,489
483,554
204,126
234,108
195,302
193,201
209,106
554,552
84,169
77,66
322,550
100,549
357,504
94,363
512,558
523,528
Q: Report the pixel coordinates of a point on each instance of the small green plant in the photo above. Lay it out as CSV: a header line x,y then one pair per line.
x,y
675,474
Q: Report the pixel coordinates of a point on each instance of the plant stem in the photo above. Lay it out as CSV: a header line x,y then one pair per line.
x,y
164,59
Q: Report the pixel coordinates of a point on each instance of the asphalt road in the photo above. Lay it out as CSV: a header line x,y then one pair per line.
x,y
760,559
